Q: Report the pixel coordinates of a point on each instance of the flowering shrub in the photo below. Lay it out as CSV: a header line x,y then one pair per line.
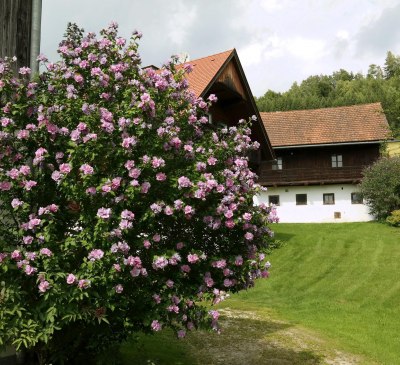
x,y
121,208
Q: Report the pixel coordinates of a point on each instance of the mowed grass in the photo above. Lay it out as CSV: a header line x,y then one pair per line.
x,y
337,285
342,280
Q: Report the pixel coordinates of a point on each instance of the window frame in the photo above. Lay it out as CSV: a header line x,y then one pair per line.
x,y
354,201
298,202
277,165
336,160
274,196
327,195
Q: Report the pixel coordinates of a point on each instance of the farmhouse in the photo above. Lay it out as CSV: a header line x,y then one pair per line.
x,y
317,156
320,155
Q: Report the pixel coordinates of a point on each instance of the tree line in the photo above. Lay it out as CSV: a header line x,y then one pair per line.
x,y
341,88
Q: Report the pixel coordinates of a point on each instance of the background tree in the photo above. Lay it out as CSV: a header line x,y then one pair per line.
x,y
121,209
343,88
375,72
392,66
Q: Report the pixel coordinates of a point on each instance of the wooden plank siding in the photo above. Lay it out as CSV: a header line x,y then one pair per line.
x,y
313,165
15,30
231,78
233,104
231,114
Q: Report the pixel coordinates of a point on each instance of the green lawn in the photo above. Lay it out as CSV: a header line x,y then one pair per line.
x,y
341,282
340,279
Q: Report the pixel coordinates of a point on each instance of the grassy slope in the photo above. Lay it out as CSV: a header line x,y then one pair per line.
x,y
338,282
340,279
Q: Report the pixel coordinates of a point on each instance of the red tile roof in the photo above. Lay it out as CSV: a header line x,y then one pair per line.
x,y
356,123
204,71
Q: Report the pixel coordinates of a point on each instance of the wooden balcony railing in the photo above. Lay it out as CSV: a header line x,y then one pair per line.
x,y
305,176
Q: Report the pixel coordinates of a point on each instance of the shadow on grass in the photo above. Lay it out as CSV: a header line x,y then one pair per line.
x,y
285,237
282,356
242,341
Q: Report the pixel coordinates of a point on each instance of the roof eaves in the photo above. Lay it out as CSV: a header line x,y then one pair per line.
x,y
253,103
221,69
281,147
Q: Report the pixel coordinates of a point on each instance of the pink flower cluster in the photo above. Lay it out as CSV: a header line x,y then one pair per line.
x,y
95,254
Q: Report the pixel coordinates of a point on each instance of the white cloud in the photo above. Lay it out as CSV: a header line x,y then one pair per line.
x,y
180,20
271,53
252,54
271,6
273,47
306,49
343,34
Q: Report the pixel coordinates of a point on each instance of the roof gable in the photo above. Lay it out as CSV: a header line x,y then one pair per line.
x,y
205,71
224,69
356,123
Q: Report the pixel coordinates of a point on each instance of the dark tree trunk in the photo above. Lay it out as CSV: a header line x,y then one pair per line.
x,y
15,30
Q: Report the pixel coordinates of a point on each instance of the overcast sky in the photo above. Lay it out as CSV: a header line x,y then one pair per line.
x,y
278,41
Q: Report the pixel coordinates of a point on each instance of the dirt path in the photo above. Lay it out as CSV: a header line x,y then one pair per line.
x,y
248,338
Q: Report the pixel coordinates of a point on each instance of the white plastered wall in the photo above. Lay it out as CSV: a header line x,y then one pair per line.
x,y
315,211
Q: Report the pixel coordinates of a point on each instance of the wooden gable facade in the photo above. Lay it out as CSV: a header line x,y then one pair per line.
x,y
222,74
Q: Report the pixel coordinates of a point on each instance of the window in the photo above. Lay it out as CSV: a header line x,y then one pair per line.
x,y
215,123
337,161
329,199
301,199
273,199
254,157
356,198
277,164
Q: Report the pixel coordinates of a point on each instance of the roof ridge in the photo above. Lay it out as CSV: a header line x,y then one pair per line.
x,y
330,107
212,55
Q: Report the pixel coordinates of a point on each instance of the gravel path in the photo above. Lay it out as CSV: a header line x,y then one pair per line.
x,y
248,338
